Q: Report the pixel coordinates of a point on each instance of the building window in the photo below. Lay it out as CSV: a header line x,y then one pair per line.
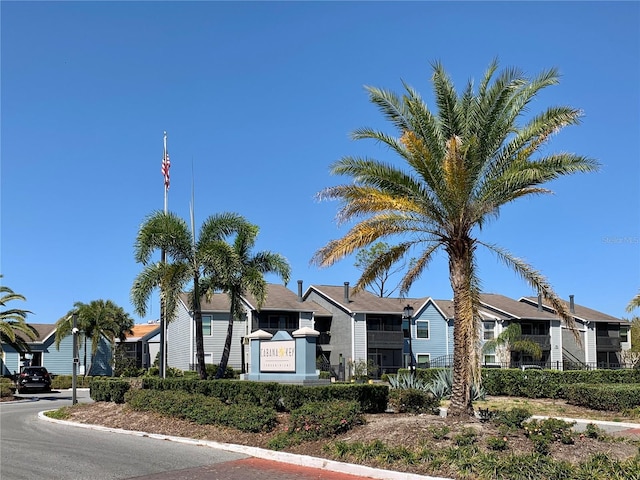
x,y
279,322
489,330
206,325
624,334
489,359
423,360
422,329
405,328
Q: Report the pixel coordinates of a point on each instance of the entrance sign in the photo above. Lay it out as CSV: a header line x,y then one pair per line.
x,y
278,356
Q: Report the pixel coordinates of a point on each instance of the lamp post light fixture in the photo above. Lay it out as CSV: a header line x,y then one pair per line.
x,y
408,315
76,360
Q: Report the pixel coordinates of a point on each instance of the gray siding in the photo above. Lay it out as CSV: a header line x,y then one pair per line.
x,y
360,337
179,340
214,344
341,333
306,319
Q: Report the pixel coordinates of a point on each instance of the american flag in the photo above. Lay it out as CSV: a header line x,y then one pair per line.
x,y
166,164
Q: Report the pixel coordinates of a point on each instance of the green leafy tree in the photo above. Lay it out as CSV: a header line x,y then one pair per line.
x,y
458,166
511,340
232,268
14,329
95,320
380,283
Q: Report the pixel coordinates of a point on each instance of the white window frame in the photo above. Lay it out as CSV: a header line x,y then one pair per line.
x,y
422,355
428,330
486,330
210,317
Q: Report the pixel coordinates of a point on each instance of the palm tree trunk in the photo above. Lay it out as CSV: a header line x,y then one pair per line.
x,y
222,367
464,355
197,316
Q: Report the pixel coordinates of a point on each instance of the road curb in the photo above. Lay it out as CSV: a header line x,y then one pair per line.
x,y
283,457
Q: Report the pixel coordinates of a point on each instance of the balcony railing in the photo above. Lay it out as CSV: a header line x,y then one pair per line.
x,y
385,339
611,344
543,340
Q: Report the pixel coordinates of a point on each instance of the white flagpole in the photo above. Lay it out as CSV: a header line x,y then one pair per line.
x,y
163,317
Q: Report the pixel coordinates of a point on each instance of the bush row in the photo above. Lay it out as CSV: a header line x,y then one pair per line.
x,y
64,381
549,383
203,410
281,397
104,389
617,397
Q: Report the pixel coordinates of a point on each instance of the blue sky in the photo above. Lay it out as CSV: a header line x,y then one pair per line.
x,y
258,100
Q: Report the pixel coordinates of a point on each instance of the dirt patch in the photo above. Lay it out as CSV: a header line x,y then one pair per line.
x,y
393,429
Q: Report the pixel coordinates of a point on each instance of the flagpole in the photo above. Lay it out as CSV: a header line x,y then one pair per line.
x,y
163,310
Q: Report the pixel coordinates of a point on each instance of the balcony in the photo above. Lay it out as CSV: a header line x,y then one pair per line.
x,y
608,344
543,340
324,338
382,339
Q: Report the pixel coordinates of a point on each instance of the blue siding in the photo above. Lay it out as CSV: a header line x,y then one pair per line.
x,y
436,344
60,361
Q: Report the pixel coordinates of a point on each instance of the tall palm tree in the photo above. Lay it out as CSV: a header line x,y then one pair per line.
x,y
185,264
96,320
511,340
13,322
235,270
457,167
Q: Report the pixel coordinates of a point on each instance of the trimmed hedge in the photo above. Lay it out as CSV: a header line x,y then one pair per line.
x,y
60,382
108,389
281,397
202,409
549,383
616,397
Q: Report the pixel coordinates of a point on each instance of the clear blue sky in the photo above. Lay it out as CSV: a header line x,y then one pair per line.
x,y
260,99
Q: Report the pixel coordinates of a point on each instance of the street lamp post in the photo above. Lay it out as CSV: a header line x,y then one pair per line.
x,y
408,315
76,360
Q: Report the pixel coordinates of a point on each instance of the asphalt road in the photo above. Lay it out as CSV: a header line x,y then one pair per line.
x,y
34,449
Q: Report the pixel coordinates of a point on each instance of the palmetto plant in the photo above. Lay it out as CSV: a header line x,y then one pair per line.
x,y
457,166
14,329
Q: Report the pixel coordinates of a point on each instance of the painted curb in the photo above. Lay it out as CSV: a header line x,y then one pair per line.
x,y
283,457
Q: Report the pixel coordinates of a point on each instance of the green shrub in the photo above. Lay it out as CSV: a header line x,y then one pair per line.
x,y
7,387
61,382
203,410
324,419
615,397
212,371
497,443
466,437
544,432
108,389
411,400
513,418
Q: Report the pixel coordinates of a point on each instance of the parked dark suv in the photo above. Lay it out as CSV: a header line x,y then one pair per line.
x,y
34,378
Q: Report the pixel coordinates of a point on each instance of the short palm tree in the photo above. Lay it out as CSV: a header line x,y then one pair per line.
x,y
96,320
14,329
457,167
233,269
511,340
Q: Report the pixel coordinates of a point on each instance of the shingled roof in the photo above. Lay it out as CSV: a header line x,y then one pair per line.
x,y
364,301
580,311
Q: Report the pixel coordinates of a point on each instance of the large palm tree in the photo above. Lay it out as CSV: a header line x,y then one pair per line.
x,y
95,320
186,258
458,166
233,269
13,322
